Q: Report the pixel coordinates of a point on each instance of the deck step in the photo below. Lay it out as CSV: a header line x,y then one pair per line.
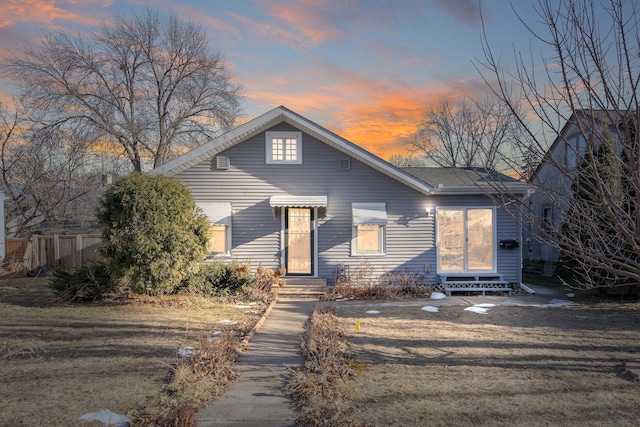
x,y
478,287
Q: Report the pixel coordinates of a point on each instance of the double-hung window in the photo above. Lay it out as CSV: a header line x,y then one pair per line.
x,y
369,223
575,151
284,147
219,216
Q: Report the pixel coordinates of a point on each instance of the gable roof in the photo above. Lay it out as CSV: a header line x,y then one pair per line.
x,y
467,180
268,120
605,118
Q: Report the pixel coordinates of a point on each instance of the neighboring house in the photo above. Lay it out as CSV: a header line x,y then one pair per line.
x,y
282,191
552,181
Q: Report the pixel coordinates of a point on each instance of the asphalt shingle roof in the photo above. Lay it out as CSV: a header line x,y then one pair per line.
x,y
457,177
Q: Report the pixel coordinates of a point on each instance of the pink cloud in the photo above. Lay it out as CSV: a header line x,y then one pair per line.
x,y
222,26
307,18
264,30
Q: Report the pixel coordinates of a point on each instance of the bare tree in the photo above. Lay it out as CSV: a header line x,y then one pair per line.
x,y
467,133
147,84
590,81
410,160
44,176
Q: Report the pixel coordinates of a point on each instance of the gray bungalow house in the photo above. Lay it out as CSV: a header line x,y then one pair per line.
x,y
282,191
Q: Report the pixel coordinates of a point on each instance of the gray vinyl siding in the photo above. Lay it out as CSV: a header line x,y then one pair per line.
x,y
250,182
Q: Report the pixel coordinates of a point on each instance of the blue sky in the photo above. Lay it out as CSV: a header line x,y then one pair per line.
x,y
364,69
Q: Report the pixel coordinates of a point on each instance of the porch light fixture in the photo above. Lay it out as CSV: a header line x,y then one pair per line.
x,y
429,211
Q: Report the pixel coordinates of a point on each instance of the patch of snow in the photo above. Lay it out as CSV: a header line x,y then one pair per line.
x,y
343,299
215,332
228,321
241,306
106,417
250,312
560,302
438,295
484,305
212,339
373,312
479,310
186,352
430,309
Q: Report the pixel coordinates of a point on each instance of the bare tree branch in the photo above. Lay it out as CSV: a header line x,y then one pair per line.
x,y
147,83
586,100
469,133
45,175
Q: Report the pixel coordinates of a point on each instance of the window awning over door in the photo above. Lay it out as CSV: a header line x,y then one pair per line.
x,y
217,213
369,213
286,201
298,201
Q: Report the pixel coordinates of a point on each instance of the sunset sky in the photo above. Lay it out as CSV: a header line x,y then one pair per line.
x,y
363,69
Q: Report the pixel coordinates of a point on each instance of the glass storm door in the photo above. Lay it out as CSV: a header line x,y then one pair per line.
x,y
480,244
465,239
299,238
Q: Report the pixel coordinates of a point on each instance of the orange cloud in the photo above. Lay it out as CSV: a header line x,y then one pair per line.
x,y
44,12
377,115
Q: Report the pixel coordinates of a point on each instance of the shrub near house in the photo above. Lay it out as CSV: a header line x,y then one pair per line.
x,y
151,232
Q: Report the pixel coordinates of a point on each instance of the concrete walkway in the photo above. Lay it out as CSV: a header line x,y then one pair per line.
x,y
257,398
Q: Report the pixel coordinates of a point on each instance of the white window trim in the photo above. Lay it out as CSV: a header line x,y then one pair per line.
x,y
276,134
381,238
495,241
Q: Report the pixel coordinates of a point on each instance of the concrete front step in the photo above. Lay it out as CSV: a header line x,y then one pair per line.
x,y
302,281
293,293
302,287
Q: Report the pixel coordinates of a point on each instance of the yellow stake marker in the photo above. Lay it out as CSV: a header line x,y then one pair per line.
x,y
358,325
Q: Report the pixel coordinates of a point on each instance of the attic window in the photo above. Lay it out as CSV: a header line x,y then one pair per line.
x,y
222,162
284,147
344,164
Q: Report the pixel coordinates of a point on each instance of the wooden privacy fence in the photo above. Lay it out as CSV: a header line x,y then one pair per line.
x,y
49,252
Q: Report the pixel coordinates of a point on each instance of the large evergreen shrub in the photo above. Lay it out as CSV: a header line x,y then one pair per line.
x,y
151,232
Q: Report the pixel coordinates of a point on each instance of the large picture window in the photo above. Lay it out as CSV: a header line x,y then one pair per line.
x,y
284,147
466,239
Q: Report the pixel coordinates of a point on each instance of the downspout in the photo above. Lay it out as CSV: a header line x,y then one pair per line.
x,y
522,285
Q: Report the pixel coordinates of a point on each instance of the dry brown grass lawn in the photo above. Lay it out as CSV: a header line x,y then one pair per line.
x,y
58,362
515,366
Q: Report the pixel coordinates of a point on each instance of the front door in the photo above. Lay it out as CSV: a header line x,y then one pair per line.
x,y
299,241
